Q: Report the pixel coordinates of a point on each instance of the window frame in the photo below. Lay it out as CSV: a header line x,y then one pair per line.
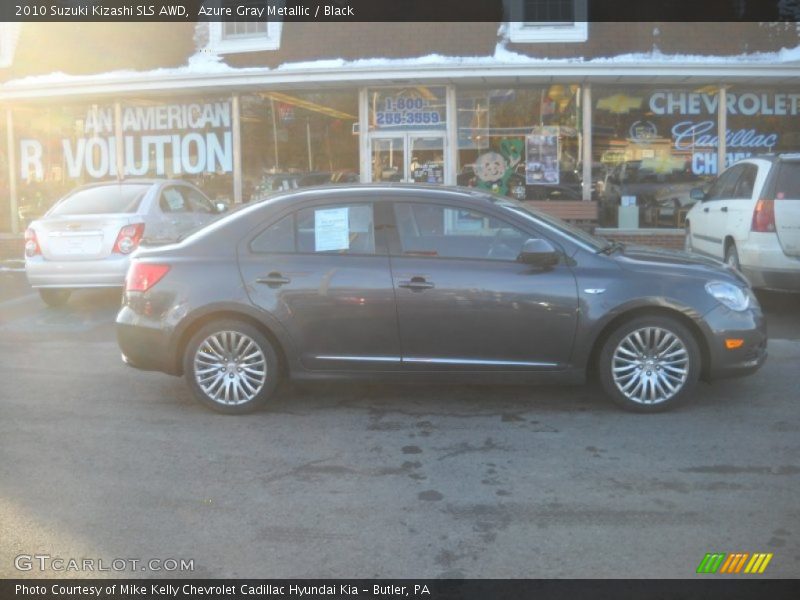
x,y
377,230
735,172
221,44
396,243
187,208
546,32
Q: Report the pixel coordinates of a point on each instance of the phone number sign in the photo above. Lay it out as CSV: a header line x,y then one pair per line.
x,y
408,109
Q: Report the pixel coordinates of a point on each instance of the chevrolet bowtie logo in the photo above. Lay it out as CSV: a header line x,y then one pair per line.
x,y
737,562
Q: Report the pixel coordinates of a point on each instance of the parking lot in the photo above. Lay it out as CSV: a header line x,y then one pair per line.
x,y
103,461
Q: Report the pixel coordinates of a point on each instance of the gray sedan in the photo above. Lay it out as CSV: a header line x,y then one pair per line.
x,y
418,283
86,238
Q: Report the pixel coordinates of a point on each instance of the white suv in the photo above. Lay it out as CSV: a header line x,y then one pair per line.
x,y
750,218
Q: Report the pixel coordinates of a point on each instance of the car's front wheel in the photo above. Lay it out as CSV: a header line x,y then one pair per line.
x,y
231,367
649,364
54,297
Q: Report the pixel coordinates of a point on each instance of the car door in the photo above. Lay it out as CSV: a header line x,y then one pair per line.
x,y
463,300
709,219
323,273
737,214
177,218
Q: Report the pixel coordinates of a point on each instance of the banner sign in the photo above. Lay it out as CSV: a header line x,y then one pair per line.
x,y
165,140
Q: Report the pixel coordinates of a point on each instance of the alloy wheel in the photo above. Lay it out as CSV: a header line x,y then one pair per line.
x,y
650,365
230,368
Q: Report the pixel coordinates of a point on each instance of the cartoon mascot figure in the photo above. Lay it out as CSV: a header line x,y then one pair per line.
x,y
494,169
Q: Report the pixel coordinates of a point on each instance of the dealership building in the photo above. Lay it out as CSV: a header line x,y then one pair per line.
x,y
607,124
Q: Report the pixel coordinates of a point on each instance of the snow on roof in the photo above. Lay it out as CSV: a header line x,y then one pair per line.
x,y
204,63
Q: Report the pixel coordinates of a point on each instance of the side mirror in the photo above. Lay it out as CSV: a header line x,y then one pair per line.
x,y
538,252
221,207
697,194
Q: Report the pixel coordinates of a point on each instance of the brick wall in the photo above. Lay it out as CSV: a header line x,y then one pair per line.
x,y
662,238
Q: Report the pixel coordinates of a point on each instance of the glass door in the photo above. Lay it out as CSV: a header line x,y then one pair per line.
x,y
389,157
426,158
408,157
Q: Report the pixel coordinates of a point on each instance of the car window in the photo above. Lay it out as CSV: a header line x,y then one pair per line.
x,y
102,199
277,238
787,184
746,183
198,202
336,228
172,201
725,185
449,232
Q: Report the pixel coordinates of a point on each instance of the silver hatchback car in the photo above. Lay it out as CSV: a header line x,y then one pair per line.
x,y
85,240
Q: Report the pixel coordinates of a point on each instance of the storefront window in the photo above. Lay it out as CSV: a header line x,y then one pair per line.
x,y
762,120
46,146
180,138
298,139
523,143
651,147
59,148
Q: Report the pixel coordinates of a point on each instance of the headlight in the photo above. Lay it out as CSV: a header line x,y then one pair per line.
x,y
730,295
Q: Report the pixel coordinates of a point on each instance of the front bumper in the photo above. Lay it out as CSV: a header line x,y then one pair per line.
x,y
749,326
105,272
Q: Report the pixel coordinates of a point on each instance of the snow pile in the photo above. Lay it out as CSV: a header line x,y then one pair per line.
x,y
205,62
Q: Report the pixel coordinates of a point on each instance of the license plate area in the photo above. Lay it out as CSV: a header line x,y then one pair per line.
x,y
82,243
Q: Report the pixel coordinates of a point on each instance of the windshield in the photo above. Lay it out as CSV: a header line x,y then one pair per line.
x,y
102,199
576,233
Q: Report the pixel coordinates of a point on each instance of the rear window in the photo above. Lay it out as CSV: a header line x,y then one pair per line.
x,y
787,184
103,199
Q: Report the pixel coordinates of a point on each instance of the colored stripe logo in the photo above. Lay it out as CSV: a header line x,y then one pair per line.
x,y
734,563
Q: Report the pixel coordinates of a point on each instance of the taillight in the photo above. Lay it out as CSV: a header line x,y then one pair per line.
x,y
142,276
764,216
129,238
31,243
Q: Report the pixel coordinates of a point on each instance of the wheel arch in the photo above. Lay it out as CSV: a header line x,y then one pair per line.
x,y
204,319
633,313
727,242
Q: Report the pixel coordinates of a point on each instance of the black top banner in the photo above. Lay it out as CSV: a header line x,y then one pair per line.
x,y
555,11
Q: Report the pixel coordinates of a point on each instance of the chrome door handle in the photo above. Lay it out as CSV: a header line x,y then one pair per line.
x,y
705,209
274,280
724,209
416,284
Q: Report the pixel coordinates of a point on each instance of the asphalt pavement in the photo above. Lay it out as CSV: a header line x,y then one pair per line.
x,y
106,462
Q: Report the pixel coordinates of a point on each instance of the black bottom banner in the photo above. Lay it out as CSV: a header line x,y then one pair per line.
x,y
422,589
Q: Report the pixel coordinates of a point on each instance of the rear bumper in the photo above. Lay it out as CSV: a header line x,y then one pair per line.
x,y
765,264
106,272
773,279
749,326
144,344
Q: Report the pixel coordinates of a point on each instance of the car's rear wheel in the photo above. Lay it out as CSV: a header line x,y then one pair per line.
x,y
54,297
649,364
231,367
732,256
